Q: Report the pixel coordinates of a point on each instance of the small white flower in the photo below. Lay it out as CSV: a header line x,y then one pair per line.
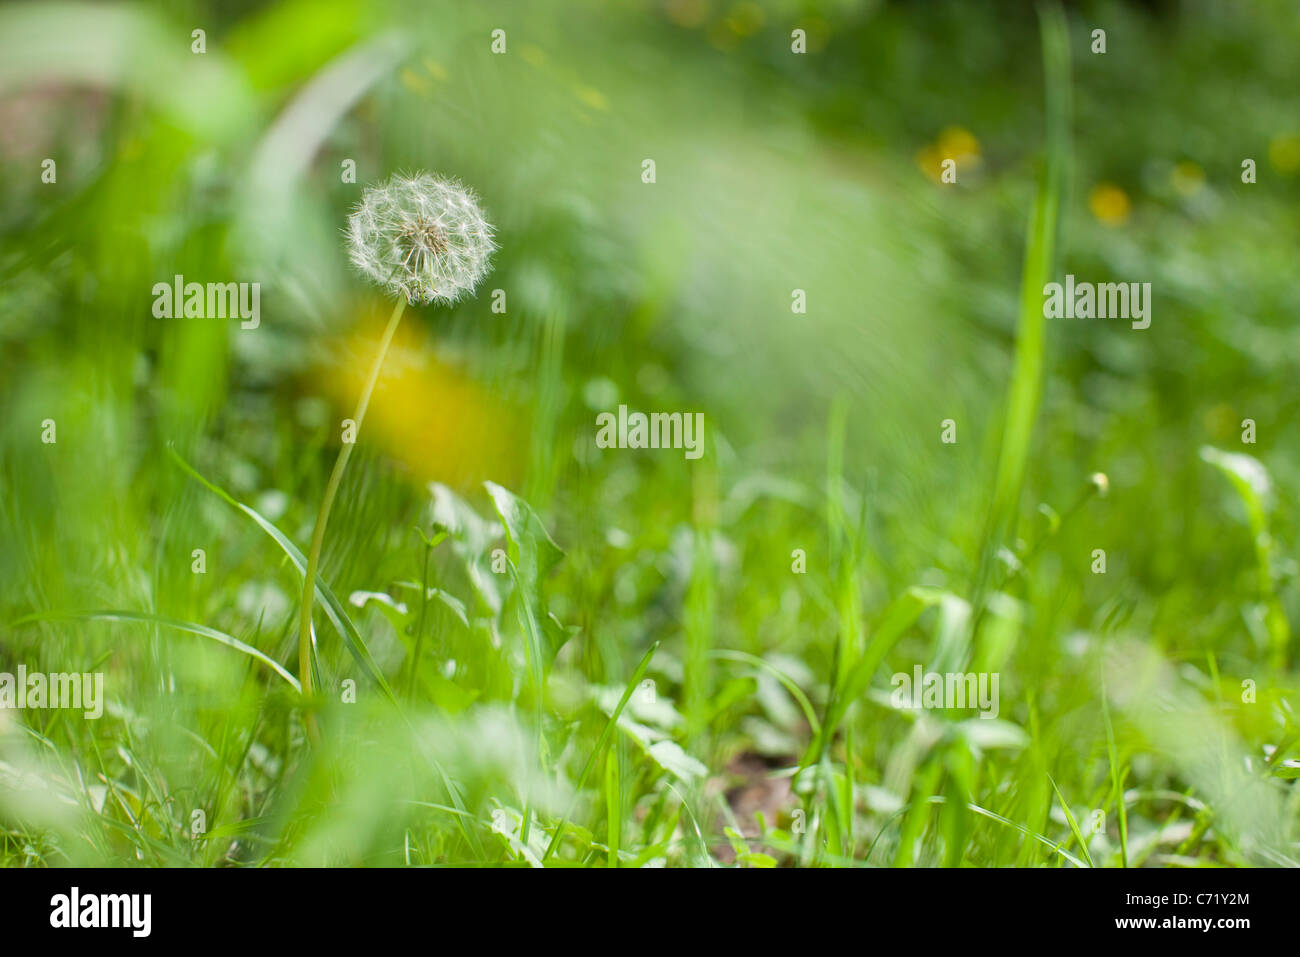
x,y
423,237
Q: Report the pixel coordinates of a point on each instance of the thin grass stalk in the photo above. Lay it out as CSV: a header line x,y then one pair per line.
x,y
323,517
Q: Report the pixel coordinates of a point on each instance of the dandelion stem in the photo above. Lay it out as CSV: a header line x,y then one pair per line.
x,y
323,517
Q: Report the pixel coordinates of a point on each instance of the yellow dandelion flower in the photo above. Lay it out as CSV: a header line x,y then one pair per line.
x,y
953,143
958,143
930,162
427,416
1109,204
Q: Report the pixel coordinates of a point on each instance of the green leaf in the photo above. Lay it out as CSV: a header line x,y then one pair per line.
x,y
986,734
1069,818
900,615
635,680
529,546
1249,478
446,694
395,611
532,554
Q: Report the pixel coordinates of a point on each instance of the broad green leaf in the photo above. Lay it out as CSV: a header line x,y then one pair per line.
x,y
528,544
1249,478
532,555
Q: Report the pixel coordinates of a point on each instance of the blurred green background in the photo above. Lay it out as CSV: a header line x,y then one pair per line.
x,y
1124,736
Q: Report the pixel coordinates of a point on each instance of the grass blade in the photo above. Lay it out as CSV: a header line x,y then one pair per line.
x,y
147,617
334,610
1039,264
1074,825
600,743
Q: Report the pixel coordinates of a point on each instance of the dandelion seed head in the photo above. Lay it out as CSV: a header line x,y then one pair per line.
x,y
422,236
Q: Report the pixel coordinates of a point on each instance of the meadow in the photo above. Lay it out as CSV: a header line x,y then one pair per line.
x,y
920,575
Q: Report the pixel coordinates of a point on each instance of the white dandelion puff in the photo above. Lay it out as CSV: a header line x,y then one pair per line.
x,y
422,237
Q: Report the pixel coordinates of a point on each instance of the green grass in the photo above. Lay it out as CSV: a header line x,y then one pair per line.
x,y
532,652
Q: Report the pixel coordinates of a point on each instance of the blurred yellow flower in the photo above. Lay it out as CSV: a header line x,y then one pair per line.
x,y
437,423
1109,204
953,143
1284,153
958,142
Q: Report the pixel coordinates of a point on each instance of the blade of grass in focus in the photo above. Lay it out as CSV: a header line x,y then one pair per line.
x,y
1116,778
1039,264
333,607
635,680
142,616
